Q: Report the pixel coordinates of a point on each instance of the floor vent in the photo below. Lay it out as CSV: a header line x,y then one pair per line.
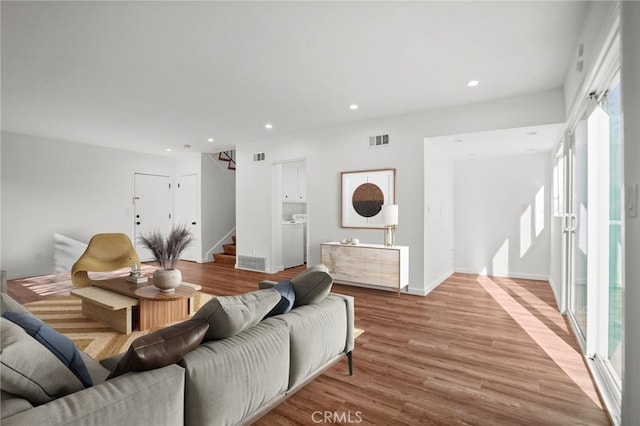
x,y
253,263
378,141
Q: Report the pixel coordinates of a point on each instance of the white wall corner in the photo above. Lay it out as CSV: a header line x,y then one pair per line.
x,y
434,284
556,296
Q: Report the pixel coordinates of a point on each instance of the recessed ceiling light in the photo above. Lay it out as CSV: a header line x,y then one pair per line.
x,y
210,140
168,149
531,133
268,126
353,106
458,140
472,83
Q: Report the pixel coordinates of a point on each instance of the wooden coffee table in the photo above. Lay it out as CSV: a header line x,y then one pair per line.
x,y
158,308
154,307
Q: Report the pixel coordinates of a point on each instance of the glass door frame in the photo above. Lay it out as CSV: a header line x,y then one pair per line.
x,y
594,342
569,227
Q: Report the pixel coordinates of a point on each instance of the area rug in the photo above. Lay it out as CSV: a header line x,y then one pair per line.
x,y
64,314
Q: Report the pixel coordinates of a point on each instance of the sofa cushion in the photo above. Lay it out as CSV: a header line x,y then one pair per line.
x,y
59,345
228,380
12,404
287,297
30,370
230,315
161,348
318,333
312,285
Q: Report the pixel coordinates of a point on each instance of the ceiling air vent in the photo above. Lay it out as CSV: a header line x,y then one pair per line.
x,y
378,141
258,157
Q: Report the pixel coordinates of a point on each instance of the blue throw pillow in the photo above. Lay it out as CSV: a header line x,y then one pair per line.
x,y
59,345
287,297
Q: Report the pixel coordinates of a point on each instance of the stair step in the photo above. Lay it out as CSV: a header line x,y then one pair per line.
x,y
224,258
234,239
229,249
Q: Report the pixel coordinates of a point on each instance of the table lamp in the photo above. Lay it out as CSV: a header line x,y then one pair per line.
x,y
390,220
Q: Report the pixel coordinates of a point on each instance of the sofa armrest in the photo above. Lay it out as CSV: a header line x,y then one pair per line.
x,y
349,301
350,307
9,304
266,284
150,397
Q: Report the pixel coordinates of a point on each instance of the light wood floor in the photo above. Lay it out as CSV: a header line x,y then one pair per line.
x,y
476,351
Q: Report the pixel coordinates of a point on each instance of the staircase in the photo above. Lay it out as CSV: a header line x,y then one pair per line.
x,y
229,254
229,158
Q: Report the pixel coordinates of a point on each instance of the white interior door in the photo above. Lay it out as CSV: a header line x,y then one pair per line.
x,y
187,212
152,208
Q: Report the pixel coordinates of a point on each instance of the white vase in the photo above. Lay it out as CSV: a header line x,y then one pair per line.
x,y
167,279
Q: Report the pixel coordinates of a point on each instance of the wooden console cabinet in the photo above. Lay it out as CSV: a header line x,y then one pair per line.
x,y
367,264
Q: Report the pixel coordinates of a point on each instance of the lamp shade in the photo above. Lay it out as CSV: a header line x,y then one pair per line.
x,y
390,214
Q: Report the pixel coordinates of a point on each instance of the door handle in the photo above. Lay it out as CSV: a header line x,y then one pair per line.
x,y
193,223
137,223
569,222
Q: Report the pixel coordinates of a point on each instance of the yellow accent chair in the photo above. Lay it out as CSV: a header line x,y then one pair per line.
x,y
104,253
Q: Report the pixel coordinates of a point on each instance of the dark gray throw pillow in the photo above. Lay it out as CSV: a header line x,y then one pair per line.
x,y
287,297
230,315
30,370
312,285
59,345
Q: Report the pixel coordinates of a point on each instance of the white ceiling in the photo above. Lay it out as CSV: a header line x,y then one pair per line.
x,y
155,75
503,142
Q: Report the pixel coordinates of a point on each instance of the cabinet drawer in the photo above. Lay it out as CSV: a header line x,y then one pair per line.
x,y
367,265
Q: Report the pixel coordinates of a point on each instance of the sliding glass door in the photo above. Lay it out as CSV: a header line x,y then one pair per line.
x,y
593,225
576,227
612,107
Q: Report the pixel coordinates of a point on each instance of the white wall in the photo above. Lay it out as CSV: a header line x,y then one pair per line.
x,y
332,151
439,236
1,137
597,24
218,214
496,200
217,201
77,190
631,109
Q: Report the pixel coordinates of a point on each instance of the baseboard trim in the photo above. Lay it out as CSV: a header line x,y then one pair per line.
x,y
434,284
523,276
556,296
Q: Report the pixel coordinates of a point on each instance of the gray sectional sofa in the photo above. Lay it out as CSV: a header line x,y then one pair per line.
x,y
224,380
